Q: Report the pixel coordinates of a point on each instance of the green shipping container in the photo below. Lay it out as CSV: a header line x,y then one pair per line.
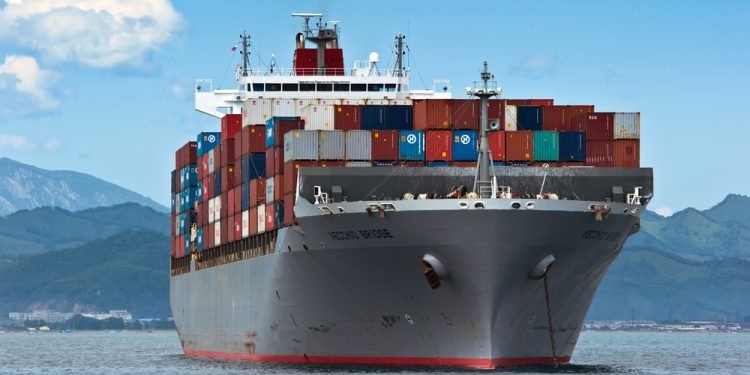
x,y
546,145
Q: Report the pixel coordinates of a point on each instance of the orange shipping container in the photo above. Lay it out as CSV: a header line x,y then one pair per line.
x,y
257,192
599,153
253,219
465,114
496,141
432,114
289,218
519,146
626,153
438,145
533,102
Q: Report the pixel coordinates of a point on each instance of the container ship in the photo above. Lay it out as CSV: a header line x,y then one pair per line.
x,y
340,217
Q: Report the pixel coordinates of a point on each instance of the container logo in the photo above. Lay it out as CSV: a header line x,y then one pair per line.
x,y
465,139
269,132
411,139
211,138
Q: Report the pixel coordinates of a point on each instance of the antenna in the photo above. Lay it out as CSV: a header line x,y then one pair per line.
x,y
484,90
398,70
245,40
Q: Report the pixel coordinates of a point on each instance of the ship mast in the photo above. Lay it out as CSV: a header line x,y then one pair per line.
x,y
484,90
399,69
245,54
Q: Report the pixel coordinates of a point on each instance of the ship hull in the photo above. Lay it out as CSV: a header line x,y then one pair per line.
x,y
350,288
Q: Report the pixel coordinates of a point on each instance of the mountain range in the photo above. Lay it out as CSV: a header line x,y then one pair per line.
x,y
24,187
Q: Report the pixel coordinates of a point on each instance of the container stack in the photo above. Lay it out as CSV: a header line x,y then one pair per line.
x,y
612,138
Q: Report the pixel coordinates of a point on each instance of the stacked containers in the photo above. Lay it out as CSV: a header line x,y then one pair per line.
x,y
465,114
519,146
359,145
318,117
438,145
432,114
529,118
546,145
346,117
256,111
411,145
385,145
496,141
465,145
627,134
572,146
331,145
184,195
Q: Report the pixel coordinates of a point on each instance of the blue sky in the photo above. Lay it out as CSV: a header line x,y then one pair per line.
x,y
105,86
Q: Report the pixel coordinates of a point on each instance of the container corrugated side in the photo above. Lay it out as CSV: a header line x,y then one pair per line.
x,y
207,141
438,145
346,117
411,145
261,218
546,145
599,153
385,145
465,114
529,118
496,141
270,188
331,145
373,117
626,153
291,170
301,145
432,114
256,111
573,146
358,145
245,223
284,107
318,117
276,127
465,145
519,146
627,125
600,126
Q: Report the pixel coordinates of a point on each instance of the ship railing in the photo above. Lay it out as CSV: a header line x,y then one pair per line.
x,y
355,72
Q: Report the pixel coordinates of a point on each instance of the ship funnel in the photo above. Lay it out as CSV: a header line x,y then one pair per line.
x,y
300,39
541,268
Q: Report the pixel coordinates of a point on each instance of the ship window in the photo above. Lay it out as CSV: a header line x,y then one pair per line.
x,y
375,87
258,87
306,87
390,87
340,87
359,87
325,87
289,87
273,87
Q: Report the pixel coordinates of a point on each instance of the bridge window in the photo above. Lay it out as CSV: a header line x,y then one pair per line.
x,y
273,87
290,87
359,87
390,87
306,87
375,87
340,87
258,87
325,87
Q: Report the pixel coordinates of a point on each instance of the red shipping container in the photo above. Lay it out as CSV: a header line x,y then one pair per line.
x,y
186,154
573,112
199,215
270,161
627,153
564,117
532,102
496,141
211,186
237,226
254,219
281,127
204,213
599,153
230,125
278,187
204,236
384,145
270,217
257,192
224,230
203,167
599,125
224,208
274,161
465,113
227,152
230,230
253,139
465,164
238,199
172,225
238,146
217,158
291,170
230,202
438,145
432,114
346,117
519,146
179,250
228,178
211,242
289,218
176,182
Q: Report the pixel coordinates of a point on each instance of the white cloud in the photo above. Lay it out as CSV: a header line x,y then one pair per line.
x,y
10,142
664,211
23,74
536,66
52,145
96,33
177,90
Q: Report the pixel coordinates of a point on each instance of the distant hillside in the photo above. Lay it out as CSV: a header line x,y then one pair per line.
x,y
24,187
127,271
44,229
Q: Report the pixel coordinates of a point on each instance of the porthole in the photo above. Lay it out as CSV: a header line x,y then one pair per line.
x,y
530,205
463,205
516,205
479,205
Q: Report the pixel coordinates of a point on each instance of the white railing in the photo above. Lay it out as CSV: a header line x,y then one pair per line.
x,y
279,72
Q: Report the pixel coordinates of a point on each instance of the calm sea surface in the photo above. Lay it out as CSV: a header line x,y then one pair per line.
x,y
160,353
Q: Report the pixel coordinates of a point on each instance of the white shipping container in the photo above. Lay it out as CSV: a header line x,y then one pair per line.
x,y
318,117
261,218
329,101
627,125
256,111
217,208
378,102
211,160
217,233
511,118
284,107
211,217
332,145
270,188
358,145
300,104
245,223
401,102
353,101
177,224
301,145
359,164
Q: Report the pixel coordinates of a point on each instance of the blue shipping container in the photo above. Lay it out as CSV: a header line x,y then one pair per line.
x,y
175,199
399,117
438,164
217,183
199,239
465,145
245,196
188,198
386,117
529,117
188,176
182,223
572,146
271,128
411,145
199,192
253,166
207,141
187,244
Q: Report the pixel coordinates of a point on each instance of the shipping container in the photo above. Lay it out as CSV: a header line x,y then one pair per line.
x,y
291,170
301,145
626,153
218,208
562,117
318,117
385,144
276,127
529,118
533,102
627,125
438,145
274,215
437,164
284,107
253,139
199,192
331,145
432,114
224,207
209,181
256,111
465,114
230,202
245,217
373,117
207,141
253,166
257,192
187,154
203,166
270,189
261,219
212,160
346,117
496,140
519,146
289,218
546,145
217,233
199,240
358,164
399,117
411,145
505,115
228,179
465,145
253,219
245,196
230,124
599,153
175,186
597,125
237,226
573,146
230,229
211,210
211,235
227,152
358,145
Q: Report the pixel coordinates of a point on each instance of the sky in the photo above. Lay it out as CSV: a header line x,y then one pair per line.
x,y
105,87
